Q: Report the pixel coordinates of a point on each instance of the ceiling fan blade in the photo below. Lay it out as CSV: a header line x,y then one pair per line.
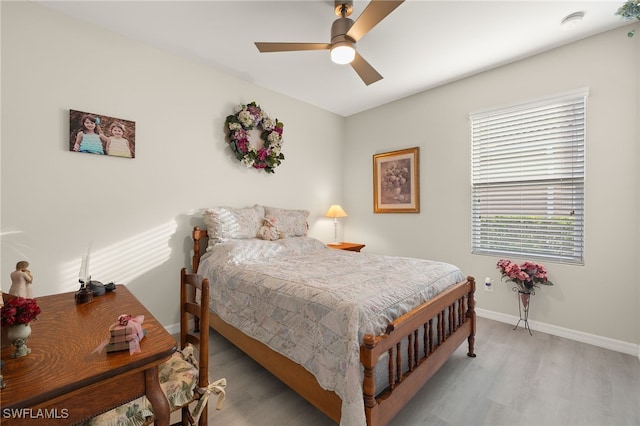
x,y
286,47
375,12
367,73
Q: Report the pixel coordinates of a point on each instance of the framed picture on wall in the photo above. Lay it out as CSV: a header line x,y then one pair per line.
x,y
396,182
100,134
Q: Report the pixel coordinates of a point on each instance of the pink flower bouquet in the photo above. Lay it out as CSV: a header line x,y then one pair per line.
x,y
526,276
19,310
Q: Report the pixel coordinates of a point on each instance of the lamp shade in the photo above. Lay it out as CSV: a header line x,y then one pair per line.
x,y
335,211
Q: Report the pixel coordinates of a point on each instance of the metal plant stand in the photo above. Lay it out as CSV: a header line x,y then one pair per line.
x,y
524,300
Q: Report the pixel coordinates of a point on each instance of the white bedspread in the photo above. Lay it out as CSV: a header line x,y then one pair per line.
x,y
313,304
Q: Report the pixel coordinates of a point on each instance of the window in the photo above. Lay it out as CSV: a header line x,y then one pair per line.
x,y
527,176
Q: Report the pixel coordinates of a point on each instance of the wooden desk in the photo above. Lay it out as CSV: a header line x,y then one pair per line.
x,y
63,381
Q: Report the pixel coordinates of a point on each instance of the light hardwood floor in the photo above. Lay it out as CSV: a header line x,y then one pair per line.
x,y
516,379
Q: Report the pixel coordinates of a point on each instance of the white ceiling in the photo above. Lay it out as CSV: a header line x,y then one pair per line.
x,y
420,45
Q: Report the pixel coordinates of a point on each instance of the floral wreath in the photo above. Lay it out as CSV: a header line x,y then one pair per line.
x,y
249,117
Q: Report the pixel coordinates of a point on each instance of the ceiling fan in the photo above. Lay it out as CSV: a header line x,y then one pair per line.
x,y
344,35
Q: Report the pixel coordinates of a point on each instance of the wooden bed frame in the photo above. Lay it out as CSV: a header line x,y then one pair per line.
x,y
447,320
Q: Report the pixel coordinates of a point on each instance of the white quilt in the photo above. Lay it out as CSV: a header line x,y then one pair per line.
x,y
313,304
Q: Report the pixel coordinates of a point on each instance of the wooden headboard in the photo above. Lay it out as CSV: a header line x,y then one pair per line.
x,y
200,241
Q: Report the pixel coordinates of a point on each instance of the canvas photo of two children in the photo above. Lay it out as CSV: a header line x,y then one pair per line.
x,y
100,134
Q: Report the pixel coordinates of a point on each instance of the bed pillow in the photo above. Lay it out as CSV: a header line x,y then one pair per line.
x,y
292,222
228,223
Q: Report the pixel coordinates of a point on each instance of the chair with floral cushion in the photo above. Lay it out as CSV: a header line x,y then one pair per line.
x,y
184,380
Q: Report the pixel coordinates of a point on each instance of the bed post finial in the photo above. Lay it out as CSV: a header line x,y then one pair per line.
x,y
196,249
368,362
471,314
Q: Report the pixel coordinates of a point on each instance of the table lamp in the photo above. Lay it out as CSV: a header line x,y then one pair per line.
x,y
335,211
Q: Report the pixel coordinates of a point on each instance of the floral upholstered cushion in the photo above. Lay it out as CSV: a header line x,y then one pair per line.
x,y
178,379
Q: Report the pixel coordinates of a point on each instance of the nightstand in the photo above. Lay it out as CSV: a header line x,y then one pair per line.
x,y
346,246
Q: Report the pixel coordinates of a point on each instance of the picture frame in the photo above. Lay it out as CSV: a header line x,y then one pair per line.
x,y
396,181
101,134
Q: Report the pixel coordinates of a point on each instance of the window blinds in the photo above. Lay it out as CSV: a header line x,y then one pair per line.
x,y
528,179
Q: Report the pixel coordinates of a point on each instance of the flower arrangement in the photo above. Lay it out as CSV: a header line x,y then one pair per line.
x,y
526,276
249,117
394,176
19,310
628,11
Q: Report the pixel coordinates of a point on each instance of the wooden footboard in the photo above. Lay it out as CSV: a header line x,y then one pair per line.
x,y
429,334
416,346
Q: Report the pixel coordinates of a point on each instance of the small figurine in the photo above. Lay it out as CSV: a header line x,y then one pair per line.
x,y
21,280
268,230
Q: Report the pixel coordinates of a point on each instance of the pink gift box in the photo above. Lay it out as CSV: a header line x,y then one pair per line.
x,y
123,338
123,345
122,330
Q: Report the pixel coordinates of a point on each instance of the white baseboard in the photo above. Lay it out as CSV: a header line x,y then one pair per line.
x,y
175,328
579,336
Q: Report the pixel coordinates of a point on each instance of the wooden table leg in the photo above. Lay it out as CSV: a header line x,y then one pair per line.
x,y
156,397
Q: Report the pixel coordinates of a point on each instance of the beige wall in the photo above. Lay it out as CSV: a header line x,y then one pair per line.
x,y
137,214
601,297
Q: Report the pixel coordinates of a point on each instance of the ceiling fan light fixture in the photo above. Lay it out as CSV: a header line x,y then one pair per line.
x,y
343,52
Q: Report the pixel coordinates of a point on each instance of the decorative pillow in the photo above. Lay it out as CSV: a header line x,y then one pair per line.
x,y
227,223
292,222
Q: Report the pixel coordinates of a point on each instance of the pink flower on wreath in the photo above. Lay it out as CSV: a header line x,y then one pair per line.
x,y
242,146
240,135
255,111
262,154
